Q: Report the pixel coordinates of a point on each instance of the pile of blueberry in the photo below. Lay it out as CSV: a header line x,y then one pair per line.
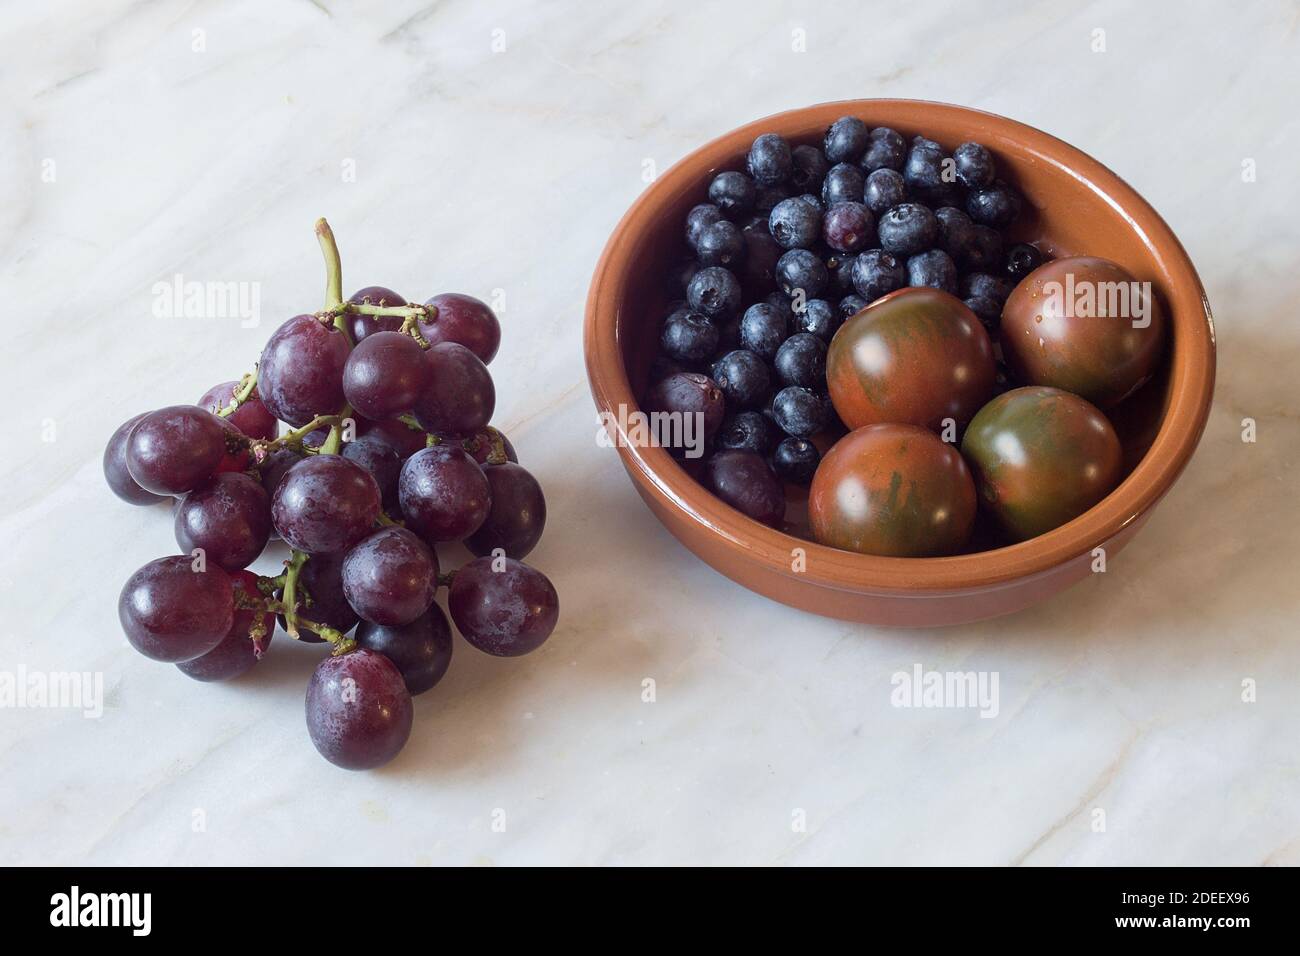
x,y
788,250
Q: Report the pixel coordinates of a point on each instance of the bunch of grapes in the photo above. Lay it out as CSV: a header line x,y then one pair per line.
x,y
389,452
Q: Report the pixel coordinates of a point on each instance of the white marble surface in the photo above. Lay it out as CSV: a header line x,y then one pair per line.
x,y
479,170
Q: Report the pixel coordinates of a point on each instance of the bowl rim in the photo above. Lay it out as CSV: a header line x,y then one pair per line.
x,y
1191,380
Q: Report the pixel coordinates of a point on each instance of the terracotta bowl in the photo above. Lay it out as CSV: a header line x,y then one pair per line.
x,y
1074,205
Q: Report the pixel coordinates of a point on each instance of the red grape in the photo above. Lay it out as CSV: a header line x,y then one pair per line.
x,y
465,320
390,577
251,417
236,653
507,612
480,445
383,462
172,613
421,649
321,580
115,471
460,397
364,325
359,711
399,436
300,374
385,375
238,455
444,494
229,517
518,514
175,449
325,503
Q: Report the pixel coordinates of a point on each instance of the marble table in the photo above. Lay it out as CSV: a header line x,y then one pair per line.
x,y
1148,716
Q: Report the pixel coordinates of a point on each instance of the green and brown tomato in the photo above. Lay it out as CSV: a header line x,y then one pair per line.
x,y
1041,457
916,356
1085,325
893,490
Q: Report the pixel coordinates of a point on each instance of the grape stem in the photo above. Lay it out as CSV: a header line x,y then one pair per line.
x,y
333,265
293,567
243,391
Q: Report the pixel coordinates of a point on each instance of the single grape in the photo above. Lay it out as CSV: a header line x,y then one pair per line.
x,y
358,709
252,417
320,597
745,481
507,612
115,469
421,649
688,393
229,517
324,504
236,653
383,462
481,443
172,613
460,397
385,375
238,455
517,516
399,436
175,449
466,320
444,494
390,577
363,325
300,374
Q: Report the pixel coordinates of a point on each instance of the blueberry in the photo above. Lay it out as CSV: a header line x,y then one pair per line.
x,y
781,302
769,160
733,193
987,309
907,229
956,233
884,189
720,244
799,411
974,165
795,460
743,378
843,184
984,285
924,171
934,269
846,140
818,318
848,227
877,273
769,196
801,269
921,142
840,265
984,252
714,291
688,336
801,360
763,328
809,170
749,431
814,201
885,150
850,306
1023,259
699,218
997,205
795,224
761,253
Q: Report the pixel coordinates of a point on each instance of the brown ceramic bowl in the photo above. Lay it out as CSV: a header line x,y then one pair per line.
x,y
1074,205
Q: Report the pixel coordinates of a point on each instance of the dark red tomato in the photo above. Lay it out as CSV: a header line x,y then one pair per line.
x,y
893,490
1085,325
1041,457
916,357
